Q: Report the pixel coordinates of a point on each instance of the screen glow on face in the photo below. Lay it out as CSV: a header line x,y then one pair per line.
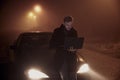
x,y
68,25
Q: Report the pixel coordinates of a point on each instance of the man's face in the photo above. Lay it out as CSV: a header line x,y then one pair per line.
x,y
68,25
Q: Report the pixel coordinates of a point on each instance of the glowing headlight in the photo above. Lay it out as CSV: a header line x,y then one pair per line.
x,y
84,68
36,74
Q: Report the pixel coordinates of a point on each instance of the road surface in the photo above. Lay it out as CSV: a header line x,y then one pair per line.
x,y
102,67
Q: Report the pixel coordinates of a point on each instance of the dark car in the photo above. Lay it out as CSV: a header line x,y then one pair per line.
x,y
33,58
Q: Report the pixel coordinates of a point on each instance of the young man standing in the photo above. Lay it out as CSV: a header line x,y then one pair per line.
x,y
64,58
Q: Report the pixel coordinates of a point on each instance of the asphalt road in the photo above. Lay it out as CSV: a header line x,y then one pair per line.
x,y
103,67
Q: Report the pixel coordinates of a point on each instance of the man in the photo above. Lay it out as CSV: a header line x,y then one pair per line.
x,y
64,58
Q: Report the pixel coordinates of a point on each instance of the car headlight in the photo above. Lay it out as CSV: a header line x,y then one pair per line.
x,y
83,69
35,74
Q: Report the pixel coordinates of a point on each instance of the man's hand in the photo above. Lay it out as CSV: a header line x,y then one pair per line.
x,y
71,49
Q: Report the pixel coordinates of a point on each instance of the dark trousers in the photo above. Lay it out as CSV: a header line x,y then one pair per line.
x,y
65,65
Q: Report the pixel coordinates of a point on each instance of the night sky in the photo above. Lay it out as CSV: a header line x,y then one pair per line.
x,y
93,19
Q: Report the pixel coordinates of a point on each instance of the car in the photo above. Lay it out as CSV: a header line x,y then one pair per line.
x,y
33,58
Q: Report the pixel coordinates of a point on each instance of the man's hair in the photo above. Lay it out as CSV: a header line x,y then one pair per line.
x,y
68,19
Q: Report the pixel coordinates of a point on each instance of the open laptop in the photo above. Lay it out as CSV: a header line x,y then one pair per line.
x,y
76,43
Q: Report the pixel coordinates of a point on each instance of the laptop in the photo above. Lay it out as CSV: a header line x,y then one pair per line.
x,y
74,42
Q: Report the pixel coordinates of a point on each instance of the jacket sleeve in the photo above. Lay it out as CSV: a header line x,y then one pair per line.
x,y
53,40
75,33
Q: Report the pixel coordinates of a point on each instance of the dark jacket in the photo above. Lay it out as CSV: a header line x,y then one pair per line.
x,y
57,42
59,35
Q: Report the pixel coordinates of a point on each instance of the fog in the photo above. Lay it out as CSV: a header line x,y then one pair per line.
x,y
93,19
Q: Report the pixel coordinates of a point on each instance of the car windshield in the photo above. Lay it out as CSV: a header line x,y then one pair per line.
x,y
34,40
34,47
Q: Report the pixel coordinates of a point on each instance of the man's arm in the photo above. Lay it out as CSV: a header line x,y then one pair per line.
x,y
72,49
53,41
75,33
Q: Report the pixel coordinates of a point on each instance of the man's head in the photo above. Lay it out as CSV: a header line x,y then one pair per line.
x,y
68,20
